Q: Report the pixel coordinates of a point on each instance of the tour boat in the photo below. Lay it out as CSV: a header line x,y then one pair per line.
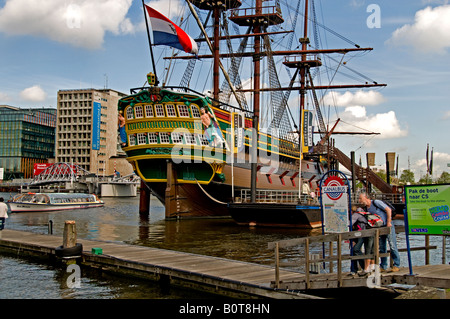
x,y
46,202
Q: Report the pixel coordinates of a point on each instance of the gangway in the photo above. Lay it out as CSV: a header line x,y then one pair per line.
x,y
362,174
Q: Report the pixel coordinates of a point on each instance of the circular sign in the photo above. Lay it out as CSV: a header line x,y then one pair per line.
x,y
334,187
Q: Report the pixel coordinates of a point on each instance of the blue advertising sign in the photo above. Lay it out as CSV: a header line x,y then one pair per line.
x,y
96,115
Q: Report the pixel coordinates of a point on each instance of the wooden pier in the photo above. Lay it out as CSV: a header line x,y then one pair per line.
x,y
217,275
212,274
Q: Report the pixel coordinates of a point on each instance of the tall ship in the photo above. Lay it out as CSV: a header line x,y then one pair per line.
x,y
199,147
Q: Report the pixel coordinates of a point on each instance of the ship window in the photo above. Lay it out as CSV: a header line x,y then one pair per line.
x,y
130,114
152,138
138,111
164,138
203,139
132,140
195,111
149,111
183,110
141,139
159,108
171,110
177,138
189,138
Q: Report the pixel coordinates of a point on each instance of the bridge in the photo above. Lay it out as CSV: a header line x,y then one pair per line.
x,y
60,173
71,177
67,172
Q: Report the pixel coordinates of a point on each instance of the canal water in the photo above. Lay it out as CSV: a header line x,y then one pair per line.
x,y
119,221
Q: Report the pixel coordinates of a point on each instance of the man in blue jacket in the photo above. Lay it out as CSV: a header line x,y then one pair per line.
x,y
385,213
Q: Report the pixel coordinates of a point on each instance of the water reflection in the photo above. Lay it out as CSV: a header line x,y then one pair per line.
x,y
119,220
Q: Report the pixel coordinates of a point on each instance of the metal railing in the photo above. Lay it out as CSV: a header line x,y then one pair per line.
x,y
284,196
330,256
277,196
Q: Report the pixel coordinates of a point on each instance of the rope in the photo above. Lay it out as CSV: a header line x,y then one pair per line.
x,y
212,198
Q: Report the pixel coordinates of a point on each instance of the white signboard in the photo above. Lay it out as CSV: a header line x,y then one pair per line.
x,y
1,173
335,208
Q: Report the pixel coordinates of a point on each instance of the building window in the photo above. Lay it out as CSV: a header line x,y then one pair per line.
x,y
132,140
189,138
195,111
141,139
183,110
152,138
130,114
149,111
138,111
177,138
171,110
159,108
164,138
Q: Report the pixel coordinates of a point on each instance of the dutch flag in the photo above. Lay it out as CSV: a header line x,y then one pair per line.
x,y
165,32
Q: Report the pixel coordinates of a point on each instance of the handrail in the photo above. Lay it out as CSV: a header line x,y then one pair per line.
x,y
330,238
291,196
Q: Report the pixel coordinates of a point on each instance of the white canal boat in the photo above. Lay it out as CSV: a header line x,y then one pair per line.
x,y
45,202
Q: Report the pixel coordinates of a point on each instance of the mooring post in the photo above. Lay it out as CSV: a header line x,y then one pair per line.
x,y
70,234
144,199
50,227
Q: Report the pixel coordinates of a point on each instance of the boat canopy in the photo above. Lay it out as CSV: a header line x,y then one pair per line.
x,y
55,198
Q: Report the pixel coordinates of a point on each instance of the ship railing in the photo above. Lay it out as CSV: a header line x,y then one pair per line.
x,y
394,198
277,196
283,196
182,89
245,12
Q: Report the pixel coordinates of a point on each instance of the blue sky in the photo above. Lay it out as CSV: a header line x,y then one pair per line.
x,y
69,44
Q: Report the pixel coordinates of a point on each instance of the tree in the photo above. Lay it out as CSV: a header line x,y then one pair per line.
x,y
407,177
444,178
425,179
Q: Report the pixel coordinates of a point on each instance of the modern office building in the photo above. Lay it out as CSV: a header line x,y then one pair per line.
x,y
86,130
27,136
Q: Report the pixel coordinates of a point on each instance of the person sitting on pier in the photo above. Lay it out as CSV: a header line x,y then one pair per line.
x,y
381,209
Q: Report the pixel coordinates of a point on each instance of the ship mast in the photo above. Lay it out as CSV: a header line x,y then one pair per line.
x,y
304,41
256,102
257,19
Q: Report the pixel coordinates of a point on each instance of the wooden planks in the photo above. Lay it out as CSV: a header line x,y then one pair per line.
x,y
248,278
242,277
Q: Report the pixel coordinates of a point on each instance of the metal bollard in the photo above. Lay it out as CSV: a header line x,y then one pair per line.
x,y
50,227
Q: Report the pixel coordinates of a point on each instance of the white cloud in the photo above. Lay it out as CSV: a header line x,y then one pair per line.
x,y
4,97
349,99
82,23
356,119
33,94
172,11
446,115
440,161
428,33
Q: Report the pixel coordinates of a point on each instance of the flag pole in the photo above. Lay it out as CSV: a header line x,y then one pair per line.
x,y
150,44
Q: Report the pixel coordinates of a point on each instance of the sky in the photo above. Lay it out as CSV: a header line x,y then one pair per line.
x,y
51,45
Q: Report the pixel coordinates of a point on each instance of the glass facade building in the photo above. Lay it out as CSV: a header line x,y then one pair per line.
x,y
27,136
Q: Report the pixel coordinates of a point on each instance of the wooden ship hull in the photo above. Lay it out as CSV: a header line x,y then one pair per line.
x,y
276,215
